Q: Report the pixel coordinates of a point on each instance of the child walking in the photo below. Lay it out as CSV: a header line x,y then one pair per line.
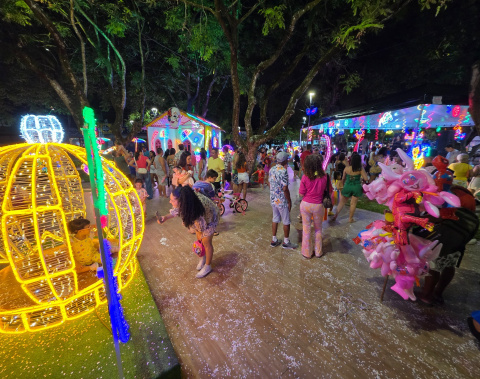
x,y
142,193
261,175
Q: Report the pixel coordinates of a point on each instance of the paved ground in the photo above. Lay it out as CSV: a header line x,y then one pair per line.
x,y
267,312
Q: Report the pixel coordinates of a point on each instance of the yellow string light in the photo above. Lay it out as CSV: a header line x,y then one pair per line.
x,y
40,192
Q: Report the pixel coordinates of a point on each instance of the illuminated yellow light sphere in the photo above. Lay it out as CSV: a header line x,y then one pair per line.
x,y
40,192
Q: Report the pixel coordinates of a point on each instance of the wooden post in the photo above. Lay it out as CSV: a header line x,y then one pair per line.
x,y
383,289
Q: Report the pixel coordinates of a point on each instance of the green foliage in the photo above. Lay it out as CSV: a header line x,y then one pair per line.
x,y
274,18
350,82
440,4
16,11
174,61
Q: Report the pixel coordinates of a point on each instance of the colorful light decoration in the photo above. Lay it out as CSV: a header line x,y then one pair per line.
x,y
311,111
41,129
328,151
207,142
459,135
36,207
414,136
185,133
117,320
456,111
359,135
310,134
291,146
137,140
418,154
152,143
221,154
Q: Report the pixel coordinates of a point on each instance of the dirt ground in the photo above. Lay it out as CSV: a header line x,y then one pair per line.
x,y
267,312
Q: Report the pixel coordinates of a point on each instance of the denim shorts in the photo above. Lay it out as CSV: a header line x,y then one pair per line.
x,y
281,215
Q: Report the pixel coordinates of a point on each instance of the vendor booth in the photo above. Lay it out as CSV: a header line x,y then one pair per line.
x,y
176,127
422,116
411,115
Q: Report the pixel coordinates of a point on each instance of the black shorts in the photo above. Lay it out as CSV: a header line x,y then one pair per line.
x,y
228,177
217,186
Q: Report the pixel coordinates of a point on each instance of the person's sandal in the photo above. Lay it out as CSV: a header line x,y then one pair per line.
x,y
215,234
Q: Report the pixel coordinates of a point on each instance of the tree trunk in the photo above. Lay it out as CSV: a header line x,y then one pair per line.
x,y
474,96
251,156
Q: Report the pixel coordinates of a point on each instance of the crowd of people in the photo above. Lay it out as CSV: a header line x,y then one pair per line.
x,y
193,183
322,192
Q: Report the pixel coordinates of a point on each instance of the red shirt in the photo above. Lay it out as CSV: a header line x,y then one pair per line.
x,y
142,161
304,155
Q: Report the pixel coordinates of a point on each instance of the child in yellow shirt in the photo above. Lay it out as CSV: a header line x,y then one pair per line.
x,y
85,249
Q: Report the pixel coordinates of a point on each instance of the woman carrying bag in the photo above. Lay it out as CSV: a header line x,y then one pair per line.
x,y
312,190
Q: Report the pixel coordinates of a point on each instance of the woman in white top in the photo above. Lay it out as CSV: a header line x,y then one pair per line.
x,y
161,171
202,166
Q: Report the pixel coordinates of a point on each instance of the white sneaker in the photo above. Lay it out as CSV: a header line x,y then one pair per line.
x,y
201,263
204,271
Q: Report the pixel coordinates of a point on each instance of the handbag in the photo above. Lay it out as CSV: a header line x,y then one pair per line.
x,y
198,248
327,200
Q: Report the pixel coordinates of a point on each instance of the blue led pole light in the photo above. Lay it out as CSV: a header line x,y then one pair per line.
x,y
117,319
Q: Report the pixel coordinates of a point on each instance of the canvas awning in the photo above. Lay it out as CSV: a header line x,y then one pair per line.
x,y
421,115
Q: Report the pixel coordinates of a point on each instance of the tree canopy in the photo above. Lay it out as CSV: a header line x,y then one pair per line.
x,y
246,63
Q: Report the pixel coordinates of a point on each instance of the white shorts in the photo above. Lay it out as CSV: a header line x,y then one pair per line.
x,y
281,215
243,178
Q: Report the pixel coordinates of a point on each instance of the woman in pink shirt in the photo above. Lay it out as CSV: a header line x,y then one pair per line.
x,y
311,189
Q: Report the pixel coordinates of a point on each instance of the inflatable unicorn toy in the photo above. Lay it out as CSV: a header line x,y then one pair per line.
x,y
379,188
412,189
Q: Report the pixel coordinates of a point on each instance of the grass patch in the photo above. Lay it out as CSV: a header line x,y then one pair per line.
x,y
371,205
83,348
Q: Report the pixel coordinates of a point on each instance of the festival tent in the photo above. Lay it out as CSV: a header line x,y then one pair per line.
x,y
422,107
175,127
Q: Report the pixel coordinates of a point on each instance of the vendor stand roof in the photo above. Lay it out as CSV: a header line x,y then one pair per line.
x,y
425,106
187,121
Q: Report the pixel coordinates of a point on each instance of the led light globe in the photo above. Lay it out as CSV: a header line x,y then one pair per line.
x,y
41,129
41,286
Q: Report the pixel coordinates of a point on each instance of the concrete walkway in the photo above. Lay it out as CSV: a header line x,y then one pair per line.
x,y
270,313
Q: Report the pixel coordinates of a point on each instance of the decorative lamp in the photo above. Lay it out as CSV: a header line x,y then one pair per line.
x,y
40,192
41,129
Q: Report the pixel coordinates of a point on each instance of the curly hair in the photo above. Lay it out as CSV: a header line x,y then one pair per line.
x,y
191,208
241,161
313,167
